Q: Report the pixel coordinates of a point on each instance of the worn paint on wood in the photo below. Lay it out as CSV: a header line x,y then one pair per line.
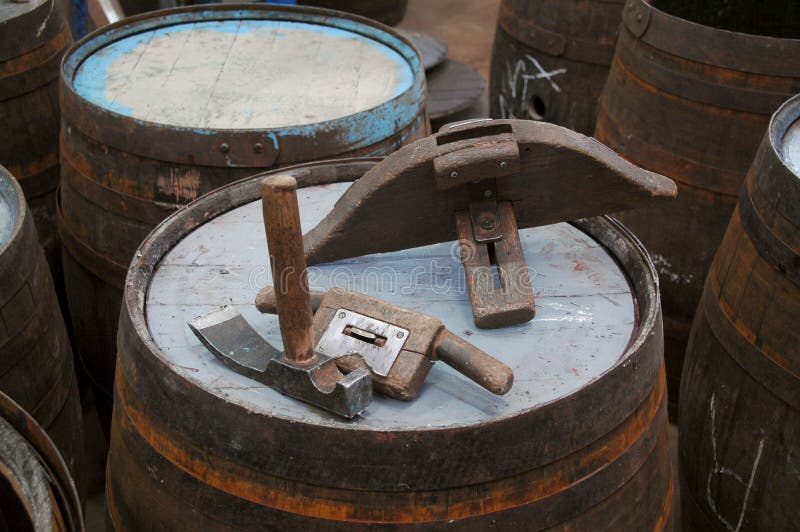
x,y
240,74
584,302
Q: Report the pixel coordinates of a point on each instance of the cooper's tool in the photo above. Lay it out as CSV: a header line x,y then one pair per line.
x,y
399,345
493,177
300,371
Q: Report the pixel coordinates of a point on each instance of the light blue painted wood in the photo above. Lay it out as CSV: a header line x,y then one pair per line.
x,y
584,315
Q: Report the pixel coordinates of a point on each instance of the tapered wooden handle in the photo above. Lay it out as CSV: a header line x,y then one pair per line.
x,y
474,363
288,263
265,300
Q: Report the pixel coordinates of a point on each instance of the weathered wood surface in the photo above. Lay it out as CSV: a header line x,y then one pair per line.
x,y
559,175
579,439
551,59
452,87
122,174
740,391
432,50
36,366
691,102
34,37
36,490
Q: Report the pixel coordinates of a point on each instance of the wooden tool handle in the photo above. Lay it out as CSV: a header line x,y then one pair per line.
x,y
288,263
265,300
474,363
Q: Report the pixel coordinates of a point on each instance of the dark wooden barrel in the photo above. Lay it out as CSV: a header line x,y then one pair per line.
x,y
36,490
389,12
254,88
689,95
740,392
551,59
579,442
33,38
36,368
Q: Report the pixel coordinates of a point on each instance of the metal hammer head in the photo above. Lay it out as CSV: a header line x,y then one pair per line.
x,y
299,372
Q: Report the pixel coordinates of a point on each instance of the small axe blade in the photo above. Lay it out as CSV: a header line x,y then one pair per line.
x,y
233,341
299,371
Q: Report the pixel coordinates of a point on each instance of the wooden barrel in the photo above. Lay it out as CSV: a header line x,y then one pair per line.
x,y
579,441
690,93
36,368
740,392
389,12
551,59
161,108
33,38
36,490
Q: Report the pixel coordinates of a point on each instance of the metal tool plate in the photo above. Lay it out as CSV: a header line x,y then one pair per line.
x,y
376,341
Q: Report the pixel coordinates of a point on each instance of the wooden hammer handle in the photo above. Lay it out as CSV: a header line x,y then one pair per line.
x,y
288,263
474,363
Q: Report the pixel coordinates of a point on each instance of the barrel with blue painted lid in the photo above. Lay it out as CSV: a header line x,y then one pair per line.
x,y
36,367
579,441
34,35
161,108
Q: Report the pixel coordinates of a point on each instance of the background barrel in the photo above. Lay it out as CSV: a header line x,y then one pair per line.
x,y
740,392
36,368
36,490
159,109
551,59
195,445
690,98
389,12
33,38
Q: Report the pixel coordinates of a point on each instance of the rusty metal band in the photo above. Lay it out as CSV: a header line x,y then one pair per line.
x,y
61,483
769,245
149,212
154,441
647,154
757,54
15,348
23,33
777,380
680,83
551,42
257,148
30,80
107,270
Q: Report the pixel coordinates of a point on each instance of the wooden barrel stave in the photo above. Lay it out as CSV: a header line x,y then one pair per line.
x,y
691,102
36,366
121,176
551,59
36,490
389,12
740,412
29,109
595,465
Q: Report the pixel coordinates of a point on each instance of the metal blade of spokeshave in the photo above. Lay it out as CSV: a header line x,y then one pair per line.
x,y
496,176
233,340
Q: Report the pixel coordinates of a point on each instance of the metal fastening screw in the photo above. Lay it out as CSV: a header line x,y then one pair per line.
x,y
453,174
400,334
224,148
487,193
258,147
503,164
342,315
487,223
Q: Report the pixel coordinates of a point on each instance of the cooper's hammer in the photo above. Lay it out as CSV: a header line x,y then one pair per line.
x,y
299,371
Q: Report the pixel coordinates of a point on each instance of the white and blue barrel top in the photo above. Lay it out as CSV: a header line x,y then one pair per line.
x,y
9,207
242,74
584,316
